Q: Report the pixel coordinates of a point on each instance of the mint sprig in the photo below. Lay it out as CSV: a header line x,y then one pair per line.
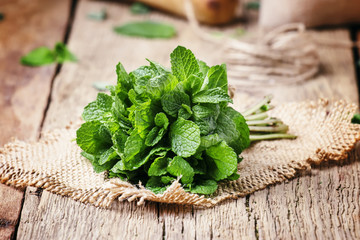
x,y
44,56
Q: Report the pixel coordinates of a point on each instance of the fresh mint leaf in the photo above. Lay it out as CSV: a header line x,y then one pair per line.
x,y
214,95
183,63
222,161
205,187
154,136
158,167
161,120
172,102
98,109
217,77
63,54
107,156
232,127
356,118
123,78
44,56
156,185
184,137
185,111
93,138
39,57
180,167
146,29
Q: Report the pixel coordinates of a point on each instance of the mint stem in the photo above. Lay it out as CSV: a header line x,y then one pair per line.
x,y
257,106
271,129
259,116
271,136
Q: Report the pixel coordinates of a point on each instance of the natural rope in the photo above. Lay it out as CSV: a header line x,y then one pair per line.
x,y
286,55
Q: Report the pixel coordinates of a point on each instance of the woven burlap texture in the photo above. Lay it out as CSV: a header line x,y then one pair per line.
x,y
54,163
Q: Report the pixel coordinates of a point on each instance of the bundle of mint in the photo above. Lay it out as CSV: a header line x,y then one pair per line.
x,y
159,124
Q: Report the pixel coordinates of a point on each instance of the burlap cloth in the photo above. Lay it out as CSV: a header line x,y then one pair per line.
x,y
54,163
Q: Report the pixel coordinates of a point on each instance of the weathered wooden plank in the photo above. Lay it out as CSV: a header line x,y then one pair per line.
x,y
24,91
52,216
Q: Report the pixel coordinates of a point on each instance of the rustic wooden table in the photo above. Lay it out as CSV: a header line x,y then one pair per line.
x,y
324,203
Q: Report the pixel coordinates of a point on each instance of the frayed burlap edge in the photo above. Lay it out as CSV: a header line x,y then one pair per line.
x,y
342,137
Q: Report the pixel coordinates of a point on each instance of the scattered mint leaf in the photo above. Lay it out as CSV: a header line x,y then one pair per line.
x,y
254,5
146,29
44,56
63,54
98,16
139,8
39,57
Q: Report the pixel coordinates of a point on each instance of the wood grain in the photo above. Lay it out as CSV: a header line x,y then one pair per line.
x,y
302,206
24,91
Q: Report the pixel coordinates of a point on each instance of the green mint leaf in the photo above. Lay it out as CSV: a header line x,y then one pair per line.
x,y
205,187
233,176
157,68
203,67
92,137
139,8
146,29
98,109
158,85
39,57
356,118
156,185
217,77
172,102
123,79
184,137
214,95
193,84
209,140
180,167
158,167
232,127
134,144
154,136
119,139
183,63
63,54
185,112
222,161
167,179
107,156
205,116
161,120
